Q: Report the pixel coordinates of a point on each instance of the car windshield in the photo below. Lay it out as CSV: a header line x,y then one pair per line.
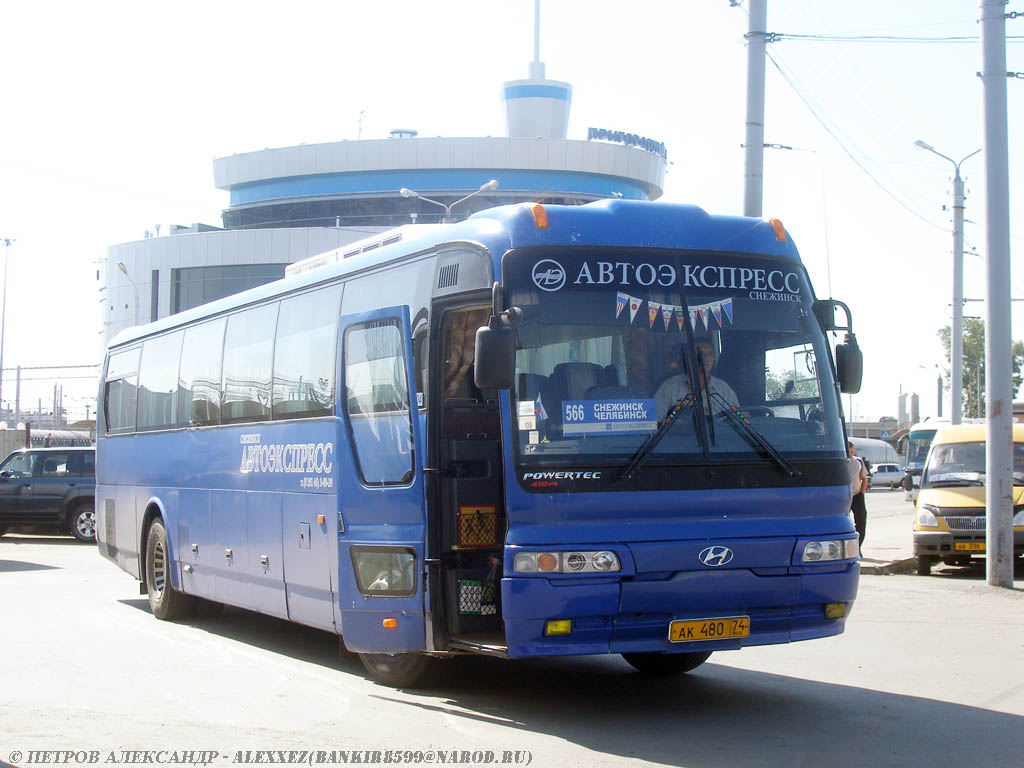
x,y
961,464
609,343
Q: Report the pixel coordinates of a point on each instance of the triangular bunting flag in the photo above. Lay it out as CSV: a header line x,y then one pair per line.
x,y
621,300
727,308
634,306
716,310
694,317
679,317
702,310
653,308
666,314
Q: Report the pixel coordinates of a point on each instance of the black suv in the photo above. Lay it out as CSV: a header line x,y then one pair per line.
x,y
50,486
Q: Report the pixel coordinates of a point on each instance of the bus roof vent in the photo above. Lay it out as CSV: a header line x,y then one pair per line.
x,y
448,275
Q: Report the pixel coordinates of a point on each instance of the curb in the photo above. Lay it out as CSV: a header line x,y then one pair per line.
x,y
888,569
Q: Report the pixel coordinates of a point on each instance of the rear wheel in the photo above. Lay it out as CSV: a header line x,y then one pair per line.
x,y
924,564
164,600
402,670
665,663
82,522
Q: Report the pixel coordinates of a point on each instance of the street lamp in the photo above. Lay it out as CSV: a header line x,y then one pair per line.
x,y
124,271
3,317
406,192
956,332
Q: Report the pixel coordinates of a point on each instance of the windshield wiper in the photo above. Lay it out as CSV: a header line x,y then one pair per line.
x,y
655,437
958,481
705,397
739,421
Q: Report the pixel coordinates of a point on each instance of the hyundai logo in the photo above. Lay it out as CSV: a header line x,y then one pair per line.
x,y
715,556
548,275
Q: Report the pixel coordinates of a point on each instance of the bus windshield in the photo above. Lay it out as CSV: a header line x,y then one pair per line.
x,y
605,355
918,443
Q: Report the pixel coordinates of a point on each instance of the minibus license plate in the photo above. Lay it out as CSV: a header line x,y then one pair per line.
x,y
969,546
708,629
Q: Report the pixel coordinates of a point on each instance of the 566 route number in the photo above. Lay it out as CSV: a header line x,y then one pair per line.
x,y
575,413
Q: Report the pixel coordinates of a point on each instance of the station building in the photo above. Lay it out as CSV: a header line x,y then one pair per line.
x,y
289,203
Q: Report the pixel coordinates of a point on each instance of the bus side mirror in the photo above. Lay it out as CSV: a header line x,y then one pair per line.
x,y
849,365
494,353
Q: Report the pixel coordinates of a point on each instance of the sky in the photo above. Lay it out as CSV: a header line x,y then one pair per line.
x,y
111,114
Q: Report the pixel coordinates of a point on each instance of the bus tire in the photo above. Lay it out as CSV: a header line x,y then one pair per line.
x,y
923,564
665,663
402,670
165,601
82,522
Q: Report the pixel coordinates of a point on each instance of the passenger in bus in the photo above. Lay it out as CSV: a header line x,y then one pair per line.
x,y
672,389
460,347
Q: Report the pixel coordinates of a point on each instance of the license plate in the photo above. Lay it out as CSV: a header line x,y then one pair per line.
x,y
708,629
969,546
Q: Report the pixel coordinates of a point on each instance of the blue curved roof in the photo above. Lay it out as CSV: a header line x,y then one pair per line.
x,y
436,181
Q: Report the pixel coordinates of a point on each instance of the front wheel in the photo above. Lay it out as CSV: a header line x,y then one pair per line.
x,y
924,564
164,600
665,663
82,523
402,670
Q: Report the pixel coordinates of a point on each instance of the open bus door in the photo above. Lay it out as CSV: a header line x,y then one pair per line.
x,y
381,521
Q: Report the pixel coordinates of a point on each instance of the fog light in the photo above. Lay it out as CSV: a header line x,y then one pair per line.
x,y
558,627
835,610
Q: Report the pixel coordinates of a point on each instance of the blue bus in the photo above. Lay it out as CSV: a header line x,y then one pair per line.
x,y
542,431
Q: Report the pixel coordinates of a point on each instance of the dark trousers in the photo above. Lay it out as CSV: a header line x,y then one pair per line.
x,y
860,515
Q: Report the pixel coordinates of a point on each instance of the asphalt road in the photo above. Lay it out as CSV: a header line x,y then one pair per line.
x,y
928,671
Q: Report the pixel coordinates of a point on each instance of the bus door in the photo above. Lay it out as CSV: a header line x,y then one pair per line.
x,y
381,521
471,498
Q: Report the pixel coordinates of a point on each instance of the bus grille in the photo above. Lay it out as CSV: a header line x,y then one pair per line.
x,y
965,523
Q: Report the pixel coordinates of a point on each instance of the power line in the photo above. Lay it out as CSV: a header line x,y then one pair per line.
x,y
774,37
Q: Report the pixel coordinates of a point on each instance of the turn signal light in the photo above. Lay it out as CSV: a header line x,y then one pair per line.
x,y
780,231
389,623
540,216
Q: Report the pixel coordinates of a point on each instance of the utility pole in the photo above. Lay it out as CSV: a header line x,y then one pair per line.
x,y
998,369
753,177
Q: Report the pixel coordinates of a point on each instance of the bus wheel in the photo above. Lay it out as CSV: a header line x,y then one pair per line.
x,y
666,663
164,601
924,564
402,670
82,523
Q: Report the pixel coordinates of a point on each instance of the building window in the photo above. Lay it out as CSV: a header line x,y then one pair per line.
x,y
192,286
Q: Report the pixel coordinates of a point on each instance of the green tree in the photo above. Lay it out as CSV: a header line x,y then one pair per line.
x,y
974,365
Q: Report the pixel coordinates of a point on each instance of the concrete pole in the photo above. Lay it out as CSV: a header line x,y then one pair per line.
x,y
998,370
957,331
753,177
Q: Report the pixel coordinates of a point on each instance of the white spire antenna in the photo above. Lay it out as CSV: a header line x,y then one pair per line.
x,y
536,66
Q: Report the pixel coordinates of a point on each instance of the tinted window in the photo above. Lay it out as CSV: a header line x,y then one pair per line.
x,y
158,378
192,286
248,359
55,465
199,379
304,354
120,390
19,465
377,402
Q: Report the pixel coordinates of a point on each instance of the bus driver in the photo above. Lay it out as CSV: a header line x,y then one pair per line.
x,y
675,387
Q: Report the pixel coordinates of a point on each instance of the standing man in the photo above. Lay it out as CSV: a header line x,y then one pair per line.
x,y
858,485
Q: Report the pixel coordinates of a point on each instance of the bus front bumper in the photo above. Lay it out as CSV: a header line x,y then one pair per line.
x,y
633,615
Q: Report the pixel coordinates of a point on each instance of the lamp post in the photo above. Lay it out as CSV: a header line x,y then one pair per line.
x,y
3,318
406,192
957,329
124,271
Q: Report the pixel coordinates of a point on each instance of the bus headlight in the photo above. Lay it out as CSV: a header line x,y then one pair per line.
x,y
601,561
830,549
926,516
